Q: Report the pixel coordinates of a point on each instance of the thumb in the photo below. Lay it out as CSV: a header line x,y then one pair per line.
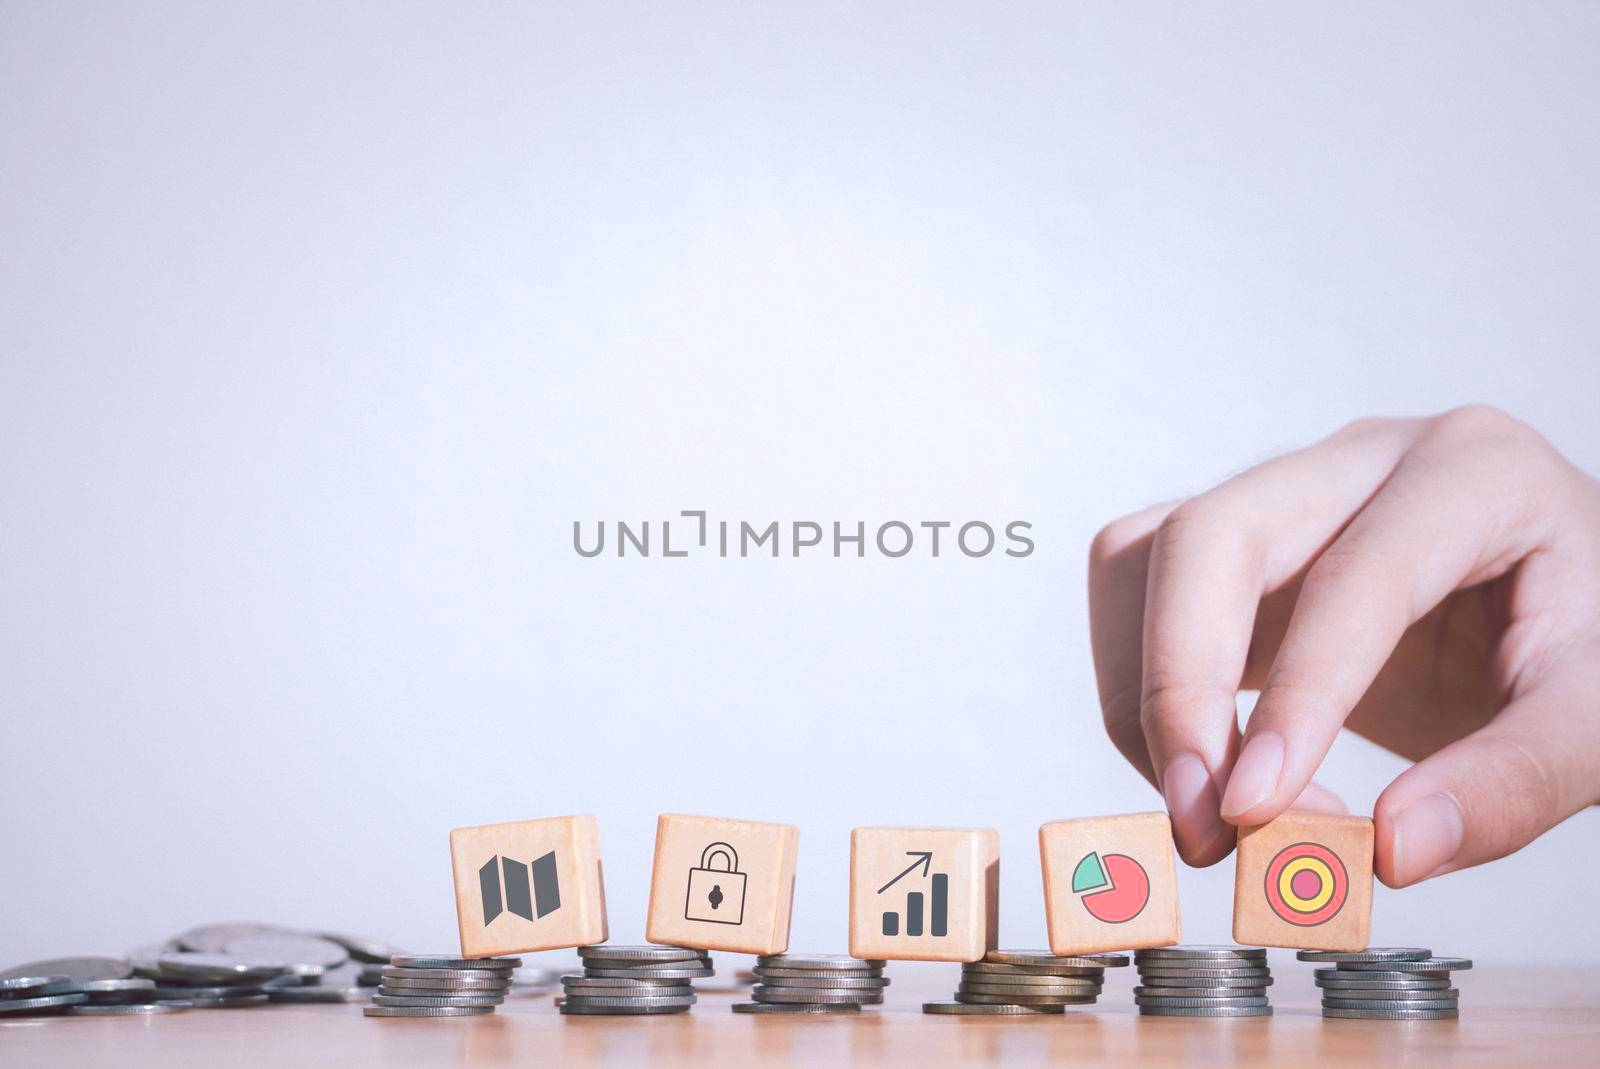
x,y
1493,792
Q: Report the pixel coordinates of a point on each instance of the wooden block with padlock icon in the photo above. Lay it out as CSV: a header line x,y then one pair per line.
x,y
722,884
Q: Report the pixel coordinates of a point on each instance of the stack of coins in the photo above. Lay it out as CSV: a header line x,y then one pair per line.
x,y
438,985
1388,984
1203,981
1021,982
814,984
633,981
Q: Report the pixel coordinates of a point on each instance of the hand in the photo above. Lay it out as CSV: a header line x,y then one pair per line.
x,y
1433,584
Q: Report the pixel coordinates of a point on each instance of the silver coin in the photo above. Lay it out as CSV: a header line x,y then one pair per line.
x,y
1031,991
840,983
305,955
1399,1014
800,1009
1207,974
1026,1000
1384,975
182,992
818,961
1044,957
125,1009
445,961
589,980
434,992
1383,985
1208,983
233,1003
43,1002
317,993
428,1000
76,970
19,986
426,1011
1369,954
621,1011
987,1009
649,974
219,967
1198,992
499,976
607,1001
1204,1011
612,952
463,986
817,974
1201,952
364,950
629,992
1032,970
762,993
1387,1004
1147,1000
1031,981
133,983
214,938
1410,965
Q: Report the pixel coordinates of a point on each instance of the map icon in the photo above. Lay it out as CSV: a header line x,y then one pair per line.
x,y
1112,887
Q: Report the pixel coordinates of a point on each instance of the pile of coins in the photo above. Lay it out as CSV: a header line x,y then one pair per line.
x,y
1388,984
438,985
1020,982
1203,981
814,984
633,981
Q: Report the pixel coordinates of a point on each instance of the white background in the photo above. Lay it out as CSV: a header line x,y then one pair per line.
x,y
320,325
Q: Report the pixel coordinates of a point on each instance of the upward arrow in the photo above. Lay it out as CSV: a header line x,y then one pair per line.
x,y
923,858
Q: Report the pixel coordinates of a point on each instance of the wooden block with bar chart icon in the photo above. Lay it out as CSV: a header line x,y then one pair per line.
x,y
924,894
1109,883
530,885
722,884
1304,881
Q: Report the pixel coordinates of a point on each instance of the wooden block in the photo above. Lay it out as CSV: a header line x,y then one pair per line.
x,y
1304,881
531,885
924,894
1109,883
722,884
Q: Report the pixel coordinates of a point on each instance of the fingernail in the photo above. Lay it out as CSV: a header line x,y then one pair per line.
x,y
1192,802
1255,774
1427,836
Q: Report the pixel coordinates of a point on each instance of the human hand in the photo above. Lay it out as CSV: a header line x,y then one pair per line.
x,y
1432,584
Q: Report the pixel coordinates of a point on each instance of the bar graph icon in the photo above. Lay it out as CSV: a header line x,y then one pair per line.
x,y
925,912
517,899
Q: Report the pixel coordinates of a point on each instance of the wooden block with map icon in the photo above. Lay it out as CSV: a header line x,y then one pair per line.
x,y
1109,883
722,884
1304,881
529,885
924,894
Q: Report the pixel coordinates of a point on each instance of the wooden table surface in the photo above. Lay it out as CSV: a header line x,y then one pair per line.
x,y
1510,1016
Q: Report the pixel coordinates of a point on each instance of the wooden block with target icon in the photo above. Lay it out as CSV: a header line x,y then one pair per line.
x,y
1109,883
1304,881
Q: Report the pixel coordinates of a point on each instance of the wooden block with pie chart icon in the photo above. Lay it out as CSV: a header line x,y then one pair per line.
x,y
924,894
1304,881
1109,883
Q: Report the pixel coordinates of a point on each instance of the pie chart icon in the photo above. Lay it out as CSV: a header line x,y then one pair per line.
x,y
1113,887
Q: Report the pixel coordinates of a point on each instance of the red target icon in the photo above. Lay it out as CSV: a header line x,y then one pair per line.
x,y
1306,884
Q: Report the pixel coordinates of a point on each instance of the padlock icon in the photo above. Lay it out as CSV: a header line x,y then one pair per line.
x,y
716,894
